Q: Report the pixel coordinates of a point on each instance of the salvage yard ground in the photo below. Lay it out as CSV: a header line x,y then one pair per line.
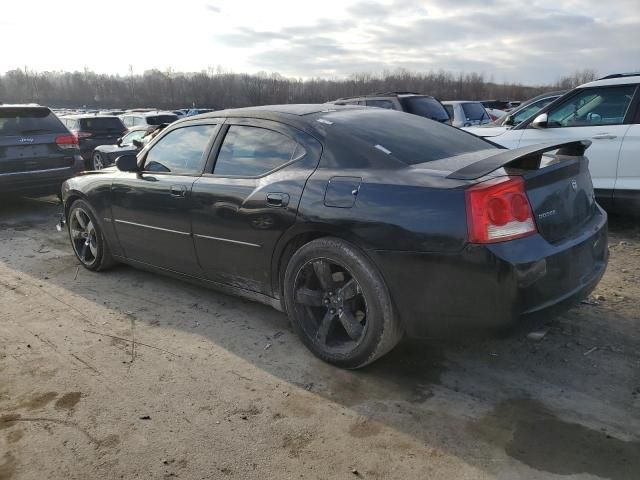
x,y
127,374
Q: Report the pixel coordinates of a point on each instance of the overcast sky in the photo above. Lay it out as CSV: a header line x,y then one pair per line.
x,y
532,42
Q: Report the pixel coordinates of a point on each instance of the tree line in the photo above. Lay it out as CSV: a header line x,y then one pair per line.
x,y
221,89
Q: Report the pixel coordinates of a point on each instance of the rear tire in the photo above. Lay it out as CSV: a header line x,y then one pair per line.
x,y
87,238
339,304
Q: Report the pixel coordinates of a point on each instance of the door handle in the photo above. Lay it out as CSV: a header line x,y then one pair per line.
x,y
277,199
604,136
178,191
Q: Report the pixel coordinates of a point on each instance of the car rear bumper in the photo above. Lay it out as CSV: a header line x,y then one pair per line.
x,y
38,182
494,286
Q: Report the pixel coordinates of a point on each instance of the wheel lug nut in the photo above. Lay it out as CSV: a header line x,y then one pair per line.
x,y
332,311
340,310
331,294
325,301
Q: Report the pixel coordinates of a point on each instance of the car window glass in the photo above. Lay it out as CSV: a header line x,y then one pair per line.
x,y
427,107
474,111
253,151
449,110
28,121
593,106
521,115
380,104
181,151
130,137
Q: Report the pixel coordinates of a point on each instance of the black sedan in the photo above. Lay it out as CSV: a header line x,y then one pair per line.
x,y
362,224
131,143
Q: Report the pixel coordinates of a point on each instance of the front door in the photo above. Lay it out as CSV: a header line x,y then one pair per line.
x,y
151,209
250,197
597,114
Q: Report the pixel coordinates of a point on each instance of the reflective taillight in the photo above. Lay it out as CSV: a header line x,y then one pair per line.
x,y
67,141
81,134
499,210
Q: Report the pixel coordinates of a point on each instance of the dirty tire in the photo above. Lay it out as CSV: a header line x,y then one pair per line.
x,y
82,224
322,274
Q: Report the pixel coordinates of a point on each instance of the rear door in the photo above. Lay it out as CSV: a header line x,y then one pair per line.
x,y
597,114
151,209
249,198
626,195
28,141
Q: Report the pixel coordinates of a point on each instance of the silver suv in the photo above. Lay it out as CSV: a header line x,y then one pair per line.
x,y
415,103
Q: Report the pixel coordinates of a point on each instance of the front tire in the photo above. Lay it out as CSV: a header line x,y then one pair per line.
x,y
97,161
87,238
339,304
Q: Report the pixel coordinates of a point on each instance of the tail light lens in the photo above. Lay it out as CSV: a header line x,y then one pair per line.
x,y
499,210
67,141
83,134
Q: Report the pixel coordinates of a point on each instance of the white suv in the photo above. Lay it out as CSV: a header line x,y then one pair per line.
x,y
607,112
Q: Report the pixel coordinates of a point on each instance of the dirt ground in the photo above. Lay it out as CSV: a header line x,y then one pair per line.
x,y
126,374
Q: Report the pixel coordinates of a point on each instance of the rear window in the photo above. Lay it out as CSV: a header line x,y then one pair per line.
x,y
427,107
474,111
160,119
102,123
409,138
29,121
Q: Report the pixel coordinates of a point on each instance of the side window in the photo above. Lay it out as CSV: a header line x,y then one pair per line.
x,y
181,151
127,121
254,151
137,121
521,115
381,104
593,106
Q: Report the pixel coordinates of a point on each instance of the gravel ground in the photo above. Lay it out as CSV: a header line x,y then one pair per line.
x,y
126,374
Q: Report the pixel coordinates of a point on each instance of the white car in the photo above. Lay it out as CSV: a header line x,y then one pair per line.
x,y
147,119
606,112
466,113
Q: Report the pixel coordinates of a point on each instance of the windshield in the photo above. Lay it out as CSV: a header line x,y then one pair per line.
x,y
102,123
160,119
25,121
409,138
427,107
527,111
475,111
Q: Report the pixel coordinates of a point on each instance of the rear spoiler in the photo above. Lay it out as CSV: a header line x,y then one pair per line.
x,y
526,157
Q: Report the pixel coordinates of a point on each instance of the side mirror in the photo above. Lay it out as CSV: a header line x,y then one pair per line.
x,y
119,142
540,121
138,143
508,121
127,163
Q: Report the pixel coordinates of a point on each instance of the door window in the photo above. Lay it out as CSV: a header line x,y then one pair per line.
x,y
181,151
135,135
592,107
253,151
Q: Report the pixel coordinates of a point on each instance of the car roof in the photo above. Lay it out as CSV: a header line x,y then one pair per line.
x,y
614,79
384,94
150,113
451,102
22,105
88,115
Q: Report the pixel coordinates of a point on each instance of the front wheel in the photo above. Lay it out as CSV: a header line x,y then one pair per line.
x,y
97,161
87,238
338,303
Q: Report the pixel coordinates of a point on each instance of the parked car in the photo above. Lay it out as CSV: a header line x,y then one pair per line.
x,y
496,104
414,103
517,116
363,224
466,114
198,111
147,118
93,131
105,155
605,112
37,152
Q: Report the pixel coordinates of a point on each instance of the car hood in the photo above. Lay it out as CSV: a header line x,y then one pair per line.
x,y
486,131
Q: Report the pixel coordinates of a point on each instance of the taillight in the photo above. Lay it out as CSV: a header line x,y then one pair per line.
x,y
83,134
499,210
67,141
